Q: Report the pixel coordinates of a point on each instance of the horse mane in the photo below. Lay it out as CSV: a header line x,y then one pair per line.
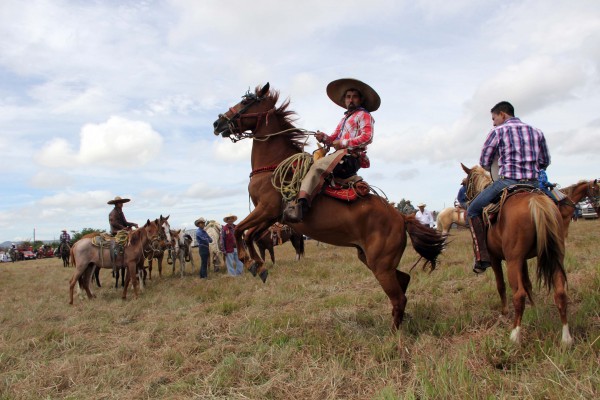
x,y
480,178
287,118
570,189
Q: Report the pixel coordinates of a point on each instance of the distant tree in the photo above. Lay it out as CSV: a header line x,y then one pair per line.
x,y
37,244
405,207
78,235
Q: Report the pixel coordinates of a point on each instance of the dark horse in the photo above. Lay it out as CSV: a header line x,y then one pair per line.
x,y
276,235
370,224
528,225
65,254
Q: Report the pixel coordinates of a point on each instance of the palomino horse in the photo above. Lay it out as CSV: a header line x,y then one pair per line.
x,y
449,216
88,257
575,193
528,225
370,224
276,235
216,256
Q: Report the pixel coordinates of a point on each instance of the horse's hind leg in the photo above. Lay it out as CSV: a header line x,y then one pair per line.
x,y
500,285
515,279
87,280
560,299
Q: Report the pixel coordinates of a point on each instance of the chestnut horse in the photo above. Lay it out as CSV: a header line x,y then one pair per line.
x,y
528,225
370,224
575,193
88,257
276,235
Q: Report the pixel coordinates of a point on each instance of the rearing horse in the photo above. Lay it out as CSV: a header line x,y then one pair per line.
x,y
528,225
370,224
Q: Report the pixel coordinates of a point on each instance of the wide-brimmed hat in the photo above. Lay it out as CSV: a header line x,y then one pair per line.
x,y
64,230
336,90
422,205
199,221
228,216
117,200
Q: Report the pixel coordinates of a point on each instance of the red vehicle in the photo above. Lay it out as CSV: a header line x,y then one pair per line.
x,y
28,255
45,251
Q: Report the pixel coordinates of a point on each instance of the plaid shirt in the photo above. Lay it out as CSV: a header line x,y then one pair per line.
x,y
521,150
355,132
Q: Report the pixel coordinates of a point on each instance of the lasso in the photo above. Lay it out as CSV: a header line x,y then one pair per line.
x,y
288,175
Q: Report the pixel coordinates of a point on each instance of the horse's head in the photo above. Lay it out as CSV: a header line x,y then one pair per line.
x,y
593,194
165,234
477,179
245,117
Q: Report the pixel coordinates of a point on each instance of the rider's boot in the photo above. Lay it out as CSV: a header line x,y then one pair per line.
x,y
294,210
482,257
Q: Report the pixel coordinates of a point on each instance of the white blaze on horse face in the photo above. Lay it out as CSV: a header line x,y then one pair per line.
x,y
167,229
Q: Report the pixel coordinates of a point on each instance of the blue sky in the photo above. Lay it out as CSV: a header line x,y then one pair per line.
x,y
117,98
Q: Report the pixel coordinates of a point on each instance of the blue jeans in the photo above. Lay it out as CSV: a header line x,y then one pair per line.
x,y
487,196
204,253
234,265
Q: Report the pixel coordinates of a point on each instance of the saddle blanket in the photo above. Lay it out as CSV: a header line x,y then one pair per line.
x,y
349,192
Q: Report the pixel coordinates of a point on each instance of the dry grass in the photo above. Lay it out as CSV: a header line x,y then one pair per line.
x,y
318,329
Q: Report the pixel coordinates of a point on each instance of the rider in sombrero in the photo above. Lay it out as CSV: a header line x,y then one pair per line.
x,y
350,140
116,218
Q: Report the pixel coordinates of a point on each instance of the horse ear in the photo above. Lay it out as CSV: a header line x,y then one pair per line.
x,y
467,170
264,90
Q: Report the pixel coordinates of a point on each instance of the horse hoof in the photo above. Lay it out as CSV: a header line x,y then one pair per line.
x,y
253,268
263,275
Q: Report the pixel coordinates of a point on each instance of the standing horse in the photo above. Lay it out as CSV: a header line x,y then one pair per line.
x,y
216,256
449,216
65,253
276,235
528,225
88,257
370,224
575,193
181,244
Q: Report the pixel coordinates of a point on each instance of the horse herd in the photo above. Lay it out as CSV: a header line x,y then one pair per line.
x,y
527,224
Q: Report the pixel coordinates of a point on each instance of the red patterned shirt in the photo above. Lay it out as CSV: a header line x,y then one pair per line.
x,y
355,132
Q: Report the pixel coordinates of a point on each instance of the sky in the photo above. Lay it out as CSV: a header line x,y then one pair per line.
x,y
117,98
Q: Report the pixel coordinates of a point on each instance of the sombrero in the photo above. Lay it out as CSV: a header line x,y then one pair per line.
x,y
117,200
337,89
230,216
199,220
422,205
64,230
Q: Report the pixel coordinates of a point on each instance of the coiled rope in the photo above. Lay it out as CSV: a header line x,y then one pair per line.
x,y
288,175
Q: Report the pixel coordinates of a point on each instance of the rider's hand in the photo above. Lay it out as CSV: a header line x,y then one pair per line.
x,y
337,144
319,136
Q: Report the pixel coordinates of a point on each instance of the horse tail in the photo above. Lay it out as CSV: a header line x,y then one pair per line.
x,y
550,241
427,242
300,249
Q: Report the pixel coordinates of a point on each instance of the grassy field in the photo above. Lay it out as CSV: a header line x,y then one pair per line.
x,y
318,329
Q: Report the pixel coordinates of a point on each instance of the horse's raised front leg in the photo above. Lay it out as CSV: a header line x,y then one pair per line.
x,y
257,265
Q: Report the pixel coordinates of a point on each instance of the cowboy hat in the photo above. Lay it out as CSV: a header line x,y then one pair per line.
x,y
199,221
336,90
117,200
64,230
229,216
422,205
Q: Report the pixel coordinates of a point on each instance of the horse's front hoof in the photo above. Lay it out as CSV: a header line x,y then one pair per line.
x,y
253,268
264,275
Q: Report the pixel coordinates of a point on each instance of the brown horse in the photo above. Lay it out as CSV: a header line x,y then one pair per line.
x,y
528,225
370,224
88,257
279,234
575,193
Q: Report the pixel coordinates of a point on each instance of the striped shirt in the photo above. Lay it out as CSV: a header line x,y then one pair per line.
x,y
521,150
355,132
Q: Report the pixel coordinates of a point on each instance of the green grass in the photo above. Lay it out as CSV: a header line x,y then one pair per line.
x,y
318,329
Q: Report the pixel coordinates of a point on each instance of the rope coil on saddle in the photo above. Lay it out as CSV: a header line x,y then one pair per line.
x,y
288,175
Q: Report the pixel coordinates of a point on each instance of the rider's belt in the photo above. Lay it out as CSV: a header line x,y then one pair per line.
x,y
520,180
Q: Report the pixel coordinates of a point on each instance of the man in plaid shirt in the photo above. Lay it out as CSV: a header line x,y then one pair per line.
x,y
522,153
350,140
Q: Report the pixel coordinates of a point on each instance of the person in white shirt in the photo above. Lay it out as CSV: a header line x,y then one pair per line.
x,y
424,216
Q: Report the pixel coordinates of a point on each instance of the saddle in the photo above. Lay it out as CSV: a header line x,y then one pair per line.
x,y
491,211
116,244
349,189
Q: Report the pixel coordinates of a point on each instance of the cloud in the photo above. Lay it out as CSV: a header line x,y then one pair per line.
x,y
117,143
206,191
76,200
50,180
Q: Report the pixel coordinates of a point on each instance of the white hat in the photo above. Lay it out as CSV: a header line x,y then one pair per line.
x,y
422,205
229,216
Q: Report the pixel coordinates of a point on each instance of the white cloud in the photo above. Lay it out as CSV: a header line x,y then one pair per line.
x,y
70,200
118,143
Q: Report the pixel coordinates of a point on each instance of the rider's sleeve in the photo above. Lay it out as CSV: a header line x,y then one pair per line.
x,y
489,150
543,160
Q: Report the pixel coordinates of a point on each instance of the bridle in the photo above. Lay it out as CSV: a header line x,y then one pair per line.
x,y
234,123
591,193
153,244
